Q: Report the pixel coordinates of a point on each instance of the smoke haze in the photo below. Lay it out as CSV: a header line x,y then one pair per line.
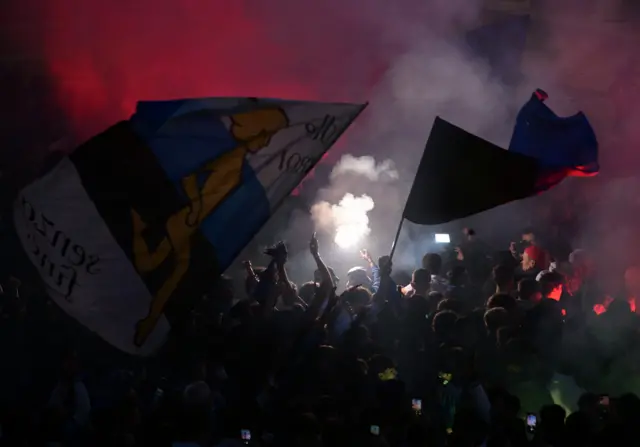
x,y
91,61
348,220
365,166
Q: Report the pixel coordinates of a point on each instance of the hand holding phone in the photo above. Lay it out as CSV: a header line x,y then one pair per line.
x,y
375,430
532,422
245,435
416,405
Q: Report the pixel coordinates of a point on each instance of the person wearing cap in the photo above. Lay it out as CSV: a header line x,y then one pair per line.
x,y
359,299
358,276
534,260
527,239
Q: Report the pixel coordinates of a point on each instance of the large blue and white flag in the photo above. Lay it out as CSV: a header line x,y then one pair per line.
x,y
137,218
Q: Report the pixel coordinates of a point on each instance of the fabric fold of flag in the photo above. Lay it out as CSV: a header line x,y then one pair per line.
x,y
143,216
461,174
563,144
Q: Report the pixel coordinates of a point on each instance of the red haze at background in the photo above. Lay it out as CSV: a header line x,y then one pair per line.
x,y
105,56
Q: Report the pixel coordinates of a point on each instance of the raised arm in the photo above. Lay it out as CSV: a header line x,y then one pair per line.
x,y
326,282
288,290
266,291
252,278
325,275
375,270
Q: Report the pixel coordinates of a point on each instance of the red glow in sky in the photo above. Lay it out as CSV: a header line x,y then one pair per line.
x,y
105,56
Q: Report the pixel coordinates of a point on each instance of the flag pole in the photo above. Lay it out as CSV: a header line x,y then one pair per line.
x,y
395,240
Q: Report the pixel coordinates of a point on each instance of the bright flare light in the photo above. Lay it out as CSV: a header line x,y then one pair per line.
x,y
350,220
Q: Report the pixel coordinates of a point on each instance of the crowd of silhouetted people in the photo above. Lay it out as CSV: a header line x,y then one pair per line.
x,y
478,347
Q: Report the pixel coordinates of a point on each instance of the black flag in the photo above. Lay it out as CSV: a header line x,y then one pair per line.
x,y
461,174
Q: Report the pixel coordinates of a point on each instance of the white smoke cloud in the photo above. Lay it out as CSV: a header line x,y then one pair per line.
x,y
433,76
365,166
348,220
428,71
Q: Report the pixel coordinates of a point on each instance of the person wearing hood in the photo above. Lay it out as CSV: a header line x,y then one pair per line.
x,y
358,276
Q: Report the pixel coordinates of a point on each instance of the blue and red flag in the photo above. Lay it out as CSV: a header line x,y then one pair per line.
x,y
566,146
461,174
